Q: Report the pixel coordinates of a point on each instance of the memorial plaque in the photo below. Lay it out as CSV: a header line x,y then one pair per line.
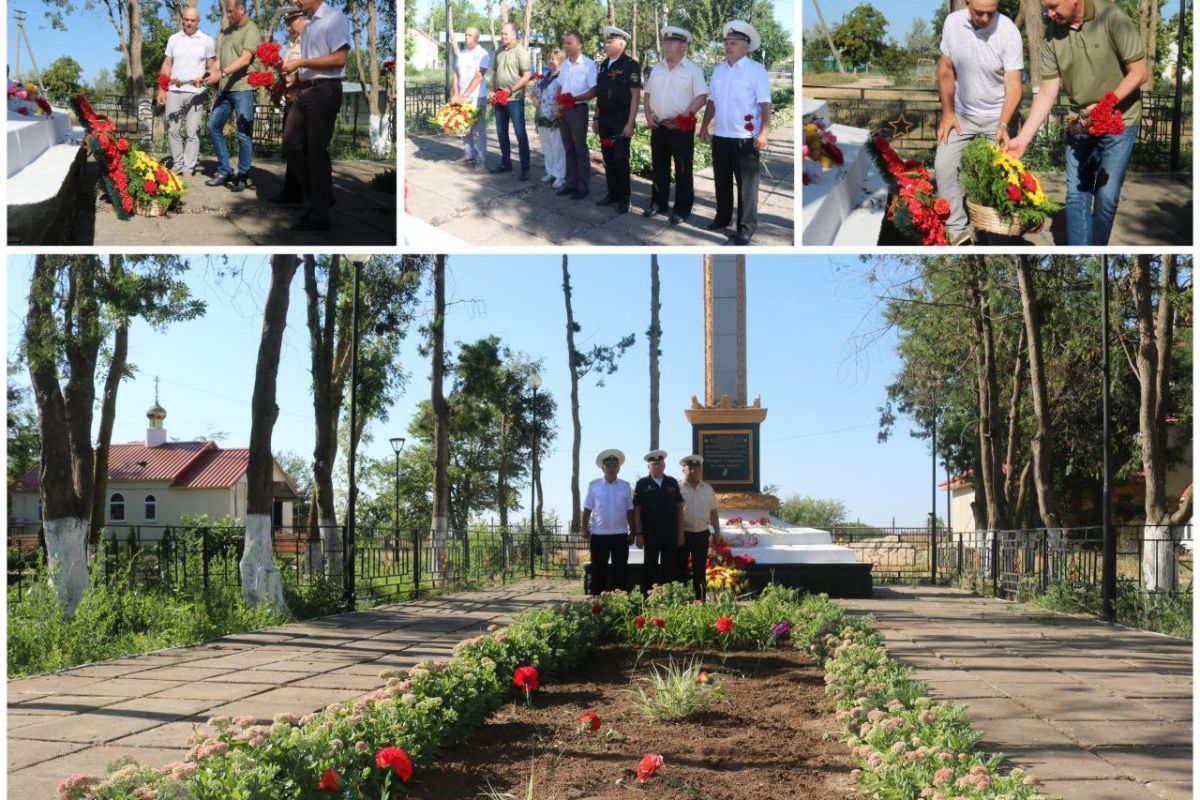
x,y
730,455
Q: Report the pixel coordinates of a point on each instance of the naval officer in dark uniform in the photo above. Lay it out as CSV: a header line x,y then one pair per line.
x,y
618,92
658,521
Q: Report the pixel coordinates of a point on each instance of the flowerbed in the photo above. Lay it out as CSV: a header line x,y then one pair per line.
x,y
909,745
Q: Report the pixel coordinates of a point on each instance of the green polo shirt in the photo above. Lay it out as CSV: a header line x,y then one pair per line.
x,y
1091,60
511,64
235,40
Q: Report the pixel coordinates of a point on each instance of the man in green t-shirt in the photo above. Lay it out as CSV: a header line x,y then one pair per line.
x,y
512,72
234,95
1092,49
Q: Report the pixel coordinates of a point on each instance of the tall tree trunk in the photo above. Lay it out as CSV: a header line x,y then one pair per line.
x,y
502,474
1156,331
988,411
576,428
260,577
1011,475
528,19
1035,33
1047,507
612,12
655,334
491,12
657,32
441,412
327,405
503,11
108,411
65,415
634,32
1148,28
137,78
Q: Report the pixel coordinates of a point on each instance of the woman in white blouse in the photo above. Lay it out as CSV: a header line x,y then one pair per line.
x,y
544,94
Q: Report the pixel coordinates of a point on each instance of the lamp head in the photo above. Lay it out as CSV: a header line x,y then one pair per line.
x,y
397,444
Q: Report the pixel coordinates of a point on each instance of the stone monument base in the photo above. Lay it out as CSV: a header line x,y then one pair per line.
x,y
835,580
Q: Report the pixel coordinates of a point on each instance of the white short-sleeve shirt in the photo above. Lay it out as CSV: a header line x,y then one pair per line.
x,y
327,32
188,56
672,90
577,77
468,64
736,90
698,505
981,56
609,504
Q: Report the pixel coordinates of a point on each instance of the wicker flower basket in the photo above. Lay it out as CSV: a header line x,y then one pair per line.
x,y
147,208
986,218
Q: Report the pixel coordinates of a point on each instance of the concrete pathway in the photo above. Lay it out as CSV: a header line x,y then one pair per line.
x,y
80,719
213,215
1096,711
476,207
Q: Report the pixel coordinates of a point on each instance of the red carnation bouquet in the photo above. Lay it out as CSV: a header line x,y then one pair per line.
x,y
268,54
164,82
1105,117
606,142
914,209
749,122
685,122
261,79
566,101
500,97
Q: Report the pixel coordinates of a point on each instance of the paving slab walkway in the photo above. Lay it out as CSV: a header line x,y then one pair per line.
x,y
78,720
475,207
213,215
1096,711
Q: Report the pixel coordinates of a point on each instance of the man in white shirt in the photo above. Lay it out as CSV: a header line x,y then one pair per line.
x,y
577,78
468,86
608,524
321,68
979,82
739,114
675,88
699,514
190,53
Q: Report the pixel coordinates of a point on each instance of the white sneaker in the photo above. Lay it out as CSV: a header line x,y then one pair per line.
x,y
547,178
558,183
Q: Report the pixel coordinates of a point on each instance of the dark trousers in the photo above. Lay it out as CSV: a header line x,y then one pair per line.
x,y
669,145
661,559
291,184
512,110
306,137
579,161
736,159
695,544
602,547
616,164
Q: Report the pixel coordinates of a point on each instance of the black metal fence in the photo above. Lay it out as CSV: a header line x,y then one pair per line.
x,y
351,133
918,112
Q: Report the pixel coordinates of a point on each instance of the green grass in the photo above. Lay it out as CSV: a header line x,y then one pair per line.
x,y
680,691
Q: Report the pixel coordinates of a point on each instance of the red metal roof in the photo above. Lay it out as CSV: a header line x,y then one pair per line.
x,y
216,469
134,461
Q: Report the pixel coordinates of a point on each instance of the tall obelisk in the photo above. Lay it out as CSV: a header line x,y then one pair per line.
x,y
725,427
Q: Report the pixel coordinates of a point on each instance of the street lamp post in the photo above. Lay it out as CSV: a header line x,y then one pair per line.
x,y
348,554
1108,561
397,443
534,382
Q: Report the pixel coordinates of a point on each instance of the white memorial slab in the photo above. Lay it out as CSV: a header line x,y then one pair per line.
x,y
833,198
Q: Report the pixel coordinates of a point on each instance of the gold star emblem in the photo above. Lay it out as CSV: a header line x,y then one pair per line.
x,y
900,126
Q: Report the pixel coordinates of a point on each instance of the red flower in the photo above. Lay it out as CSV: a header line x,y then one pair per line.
x,y
150,186
659,622
23,110
685,122
741,562
1014,193
44,105
268,54
566,100
1029,182
650,764
395,758
1105,118
127,203
164,82
162,176
941,206
748,117
589,721
264,79
750,126
329,780
122,145
526,678
724,625
597,609
640,622
390,64
606,142
501,97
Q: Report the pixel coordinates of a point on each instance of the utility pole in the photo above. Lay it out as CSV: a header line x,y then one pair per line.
x,y
837,54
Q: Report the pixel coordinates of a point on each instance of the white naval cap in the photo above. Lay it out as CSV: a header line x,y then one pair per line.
x,y
744,30
610,453
613,32
673,32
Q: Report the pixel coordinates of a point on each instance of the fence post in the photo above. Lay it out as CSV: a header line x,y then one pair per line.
x,y
531,543
1045,559
416,537
466,570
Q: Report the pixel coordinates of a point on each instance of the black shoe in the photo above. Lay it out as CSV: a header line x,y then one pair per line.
x,y
306,224
739,240
564,191
524,175
716,226
238,184
607,200
285,199
651,210
622,206
579,195
675,219
218,179
496,170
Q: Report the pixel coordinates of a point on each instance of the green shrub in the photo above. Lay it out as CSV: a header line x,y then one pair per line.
x,y
680,691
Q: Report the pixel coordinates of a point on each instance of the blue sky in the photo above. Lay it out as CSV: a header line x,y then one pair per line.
x,y
900,14
809,320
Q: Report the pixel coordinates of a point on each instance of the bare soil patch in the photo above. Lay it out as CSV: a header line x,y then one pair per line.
x,y
769,738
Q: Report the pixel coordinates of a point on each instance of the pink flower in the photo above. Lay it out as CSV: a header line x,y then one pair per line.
x,y
76,786
650,764
942,776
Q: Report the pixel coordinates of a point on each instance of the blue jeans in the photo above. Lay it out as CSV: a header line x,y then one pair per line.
x,y
1095,171
514,110
228,103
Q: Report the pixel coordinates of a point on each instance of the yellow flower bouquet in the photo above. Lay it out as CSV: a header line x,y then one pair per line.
x,y
154,188
994,180
456,119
